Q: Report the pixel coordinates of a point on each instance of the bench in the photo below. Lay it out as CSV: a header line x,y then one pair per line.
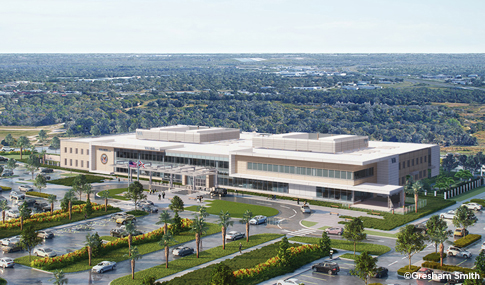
x,y
348,219
334,206
374,213
334,213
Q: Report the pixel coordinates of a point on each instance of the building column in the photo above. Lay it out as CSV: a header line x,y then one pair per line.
x,y
150,181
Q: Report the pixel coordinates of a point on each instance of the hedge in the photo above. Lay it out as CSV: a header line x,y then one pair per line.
x,y
446,267
403,270
137,213
434,256
5,188
3,281
38,194
467,240
68,181
478,201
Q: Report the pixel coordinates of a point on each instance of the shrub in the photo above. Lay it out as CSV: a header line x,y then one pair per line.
x,y
68,181
403,270
5,188
137,213
465,241
434,256
478,201
38,194
446,267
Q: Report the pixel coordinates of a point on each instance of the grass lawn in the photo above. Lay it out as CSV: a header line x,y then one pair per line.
x,y
190,261
68,181
374,249
69,174
308,223
236,209
44,225
114,193
108,238
137,213
120,254
324,227
469,194
376,233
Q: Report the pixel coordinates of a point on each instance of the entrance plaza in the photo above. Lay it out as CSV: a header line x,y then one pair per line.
x,y
345,169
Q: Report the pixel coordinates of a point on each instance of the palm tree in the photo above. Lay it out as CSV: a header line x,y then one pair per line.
x,y
224,221
416,188
91,242
134,255
24,213
130,229
59,278
70,196
166,239
4,206
105,195
199,228
52,199
247,216
88,189
164,219
22,142
202,211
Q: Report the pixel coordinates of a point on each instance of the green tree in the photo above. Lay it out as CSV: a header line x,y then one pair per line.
x,y
59,277
464,218
105,195
95,131
224,222
4,207
93,241
437,231
55,143
177,224
325,244
133,256
480,262
22,142
222,275
409,242
449,162
247,216
444,182
164,219
463,175
176,205
33,163
66,202
165,241
135,192
202,211
9,140
88,208
11,164
29,239
199,228
365,266
354,232
131,230
78,184
149,280
416,188
42,136
25,212
283,252
40,182
88,190
52,199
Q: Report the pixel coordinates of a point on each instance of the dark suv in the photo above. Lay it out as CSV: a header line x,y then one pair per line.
x,y
221,192
121,233
44,207
47,170
328,267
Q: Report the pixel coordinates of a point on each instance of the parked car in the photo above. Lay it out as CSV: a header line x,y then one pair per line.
x,y
2,198
459,252
305,209
144,203
424,273
30,202
6,262
460,232
328,267
260,219
149,209
10,241
7,148
46,170
448,215
121,233
334,231
26,188
483,246
12,248
12,213
7,173
3,158
104,266
221,192
381,272
118,215
44,252
45,234
46,176
17,196
233,235
473,206
44,207
291,281
125,219
182,251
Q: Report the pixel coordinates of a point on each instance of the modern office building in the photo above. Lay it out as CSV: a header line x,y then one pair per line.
x,y
341,168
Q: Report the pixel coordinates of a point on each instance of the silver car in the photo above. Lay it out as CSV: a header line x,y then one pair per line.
x,y
233,235
104,266
44,252
258,220
6,262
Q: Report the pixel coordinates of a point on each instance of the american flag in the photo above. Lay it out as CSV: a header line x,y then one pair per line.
x,y
141,164
131,164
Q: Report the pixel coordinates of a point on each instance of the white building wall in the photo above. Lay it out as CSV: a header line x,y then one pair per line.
x,y
435,160
394,171
388,172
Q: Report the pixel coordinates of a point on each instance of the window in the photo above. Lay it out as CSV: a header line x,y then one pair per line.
x,y
331,173
403,180
65,149
70,162
70,150
250,165
393,160
337,173
409,163
76,150
325,173
292,169
421,160
65,161
82,151
265,167
425,159
87,164
87,151
403,164
76,162
82,163
412,161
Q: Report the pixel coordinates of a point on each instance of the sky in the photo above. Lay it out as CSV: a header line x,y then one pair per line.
x,y
250,26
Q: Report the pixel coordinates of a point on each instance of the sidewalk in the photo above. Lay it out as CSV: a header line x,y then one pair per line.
x,y
181,273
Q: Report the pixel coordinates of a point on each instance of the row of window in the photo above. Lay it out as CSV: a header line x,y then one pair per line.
x,y
412,162
421,174
76,163
76,150
348,175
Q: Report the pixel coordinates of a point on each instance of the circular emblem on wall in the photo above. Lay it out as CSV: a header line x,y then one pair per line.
x,y
104,158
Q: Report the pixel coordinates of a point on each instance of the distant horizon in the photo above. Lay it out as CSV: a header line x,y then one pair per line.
x,y
262,53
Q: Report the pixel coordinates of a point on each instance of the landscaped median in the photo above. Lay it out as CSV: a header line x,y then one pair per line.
x,y
190,261
467,240
114,250
373,249
68,181
46,220
235,209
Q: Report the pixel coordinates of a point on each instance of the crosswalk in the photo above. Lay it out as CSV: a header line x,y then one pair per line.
x,y
300,233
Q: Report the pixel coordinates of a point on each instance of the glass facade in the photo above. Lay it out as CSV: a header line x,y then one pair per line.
x,y
225,180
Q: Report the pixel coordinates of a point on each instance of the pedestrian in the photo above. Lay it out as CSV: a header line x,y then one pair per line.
x,y
298,201
236,191
163,194
240,247
159,196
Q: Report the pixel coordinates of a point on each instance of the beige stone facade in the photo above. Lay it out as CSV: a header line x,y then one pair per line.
x,y
75,155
